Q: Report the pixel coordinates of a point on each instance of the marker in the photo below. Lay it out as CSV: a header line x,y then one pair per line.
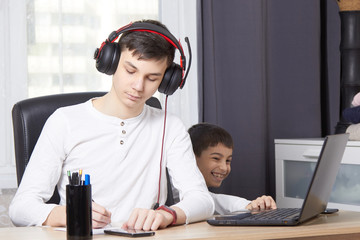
x,y
75,178
80,174
69,177
87,179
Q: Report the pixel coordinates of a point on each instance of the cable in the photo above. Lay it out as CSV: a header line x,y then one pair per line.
x,y
190,57
161,156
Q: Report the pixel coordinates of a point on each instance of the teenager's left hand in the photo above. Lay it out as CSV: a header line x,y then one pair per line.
x,y
262,203
148,219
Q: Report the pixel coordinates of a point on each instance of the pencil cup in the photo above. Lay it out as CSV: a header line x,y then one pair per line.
x,y
78,212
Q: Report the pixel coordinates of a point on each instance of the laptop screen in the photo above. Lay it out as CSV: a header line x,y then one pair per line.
x,y
324,176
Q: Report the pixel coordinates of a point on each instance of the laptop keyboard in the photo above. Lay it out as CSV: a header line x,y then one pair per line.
x,y
280,213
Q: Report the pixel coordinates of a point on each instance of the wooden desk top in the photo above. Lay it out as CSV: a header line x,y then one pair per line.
x,y
341,225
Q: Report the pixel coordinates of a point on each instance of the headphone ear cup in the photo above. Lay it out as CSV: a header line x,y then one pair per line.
x,y
108,59
171,80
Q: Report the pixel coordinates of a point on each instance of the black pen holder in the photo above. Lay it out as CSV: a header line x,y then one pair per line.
x,y
78,212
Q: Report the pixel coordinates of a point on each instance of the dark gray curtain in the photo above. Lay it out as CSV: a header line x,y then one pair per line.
x,y
269,69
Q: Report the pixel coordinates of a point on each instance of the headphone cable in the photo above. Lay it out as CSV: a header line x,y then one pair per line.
x,y
163,137
190,57
161,156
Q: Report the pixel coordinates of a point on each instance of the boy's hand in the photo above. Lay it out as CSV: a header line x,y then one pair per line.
x,y
262,203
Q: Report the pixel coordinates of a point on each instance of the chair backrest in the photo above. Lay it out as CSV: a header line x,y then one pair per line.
x,y
29,117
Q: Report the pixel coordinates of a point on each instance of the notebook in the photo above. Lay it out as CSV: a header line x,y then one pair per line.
x,y
316,198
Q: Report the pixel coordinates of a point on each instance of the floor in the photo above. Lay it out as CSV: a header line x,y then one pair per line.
x,y
6,195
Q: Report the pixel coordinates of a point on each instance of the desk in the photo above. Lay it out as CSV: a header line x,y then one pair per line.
x,y
341,225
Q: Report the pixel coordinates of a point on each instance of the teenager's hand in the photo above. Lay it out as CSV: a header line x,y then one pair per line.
x,y
100,216
57,217
148,219
261,203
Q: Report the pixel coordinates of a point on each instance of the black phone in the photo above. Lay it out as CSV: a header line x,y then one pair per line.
x,y
330,210
129,232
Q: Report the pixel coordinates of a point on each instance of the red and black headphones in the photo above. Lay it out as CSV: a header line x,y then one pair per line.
x,y
108,55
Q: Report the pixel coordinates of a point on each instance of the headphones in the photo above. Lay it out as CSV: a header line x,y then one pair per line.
x,y
108,55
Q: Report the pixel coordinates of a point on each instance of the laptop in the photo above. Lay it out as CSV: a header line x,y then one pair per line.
x,y
316,198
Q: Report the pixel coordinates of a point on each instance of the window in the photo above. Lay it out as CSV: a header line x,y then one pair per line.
x,y
62,36
47,47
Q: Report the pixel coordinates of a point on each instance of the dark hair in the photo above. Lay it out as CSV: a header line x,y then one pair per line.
x,y
148,45
204,135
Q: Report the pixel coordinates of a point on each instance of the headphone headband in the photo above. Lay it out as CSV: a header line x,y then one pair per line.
x,y
153,28
107,56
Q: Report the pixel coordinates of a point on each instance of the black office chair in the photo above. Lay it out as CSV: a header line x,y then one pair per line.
x,y
29,117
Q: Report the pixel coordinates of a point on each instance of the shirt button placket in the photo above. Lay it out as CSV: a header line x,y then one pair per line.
x,y
123,132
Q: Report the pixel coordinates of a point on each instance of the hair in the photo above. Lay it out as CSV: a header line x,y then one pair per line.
x,y
148,45
204,135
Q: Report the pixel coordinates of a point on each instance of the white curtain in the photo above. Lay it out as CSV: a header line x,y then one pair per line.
x,y
180,17
13,80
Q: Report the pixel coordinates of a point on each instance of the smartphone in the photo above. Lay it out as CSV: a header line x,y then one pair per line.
x,y
330,210
129,232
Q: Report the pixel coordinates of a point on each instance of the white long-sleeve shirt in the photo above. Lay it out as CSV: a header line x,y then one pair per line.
x,y
122,158
225,204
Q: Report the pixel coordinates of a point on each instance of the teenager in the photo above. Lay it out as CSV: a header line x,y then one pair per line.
x,y
120,142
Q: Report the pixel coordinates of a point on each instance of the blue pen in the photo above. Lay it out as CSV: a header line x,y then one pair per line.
x,y
87,179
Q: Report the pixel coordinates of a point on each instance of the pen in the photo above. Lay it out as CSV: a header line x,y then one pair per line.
x,y
87,179
75,178
69,177
80,174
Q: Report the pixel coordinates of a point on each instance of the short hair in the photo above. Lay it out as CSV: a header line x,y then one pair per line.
x,y
148,45
204,135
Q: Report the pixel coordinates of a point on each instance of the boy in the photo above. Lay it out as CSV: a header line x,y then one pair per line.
x,y
213,147
117,140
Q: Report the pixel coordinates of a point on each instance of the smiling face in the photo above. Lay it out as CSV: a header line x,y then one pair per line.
x,y
214,164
